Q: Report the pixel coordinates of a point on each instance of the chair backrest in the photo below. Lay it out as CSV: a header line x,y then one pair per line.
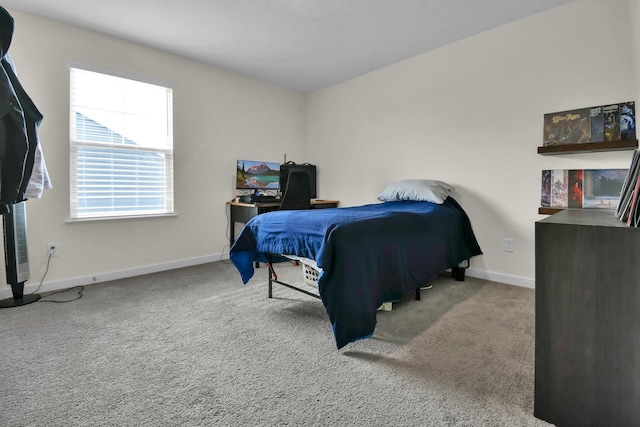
x,y
297,195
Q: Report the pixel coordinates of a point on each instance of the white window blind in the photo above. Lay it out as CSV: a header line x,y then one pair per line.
x,y
121,146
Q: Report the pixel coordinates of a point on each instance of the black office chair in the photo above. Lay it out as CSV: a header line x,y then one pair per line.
x,y
297,195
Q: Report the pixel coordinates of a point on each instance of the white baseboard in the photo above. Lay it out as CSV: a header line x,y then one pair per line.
x,y
502,278
139,271
114,275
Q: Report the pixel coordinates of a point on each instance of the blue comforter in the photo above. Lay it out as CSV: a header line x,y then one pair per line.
x,y
368,254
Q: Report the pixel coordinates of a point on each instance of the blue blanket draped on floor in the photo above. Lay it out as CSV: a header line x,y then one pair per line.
x,y
368,254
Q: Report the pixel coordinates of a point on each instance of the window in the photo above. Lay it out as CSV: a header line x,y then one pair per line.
x,y
121,146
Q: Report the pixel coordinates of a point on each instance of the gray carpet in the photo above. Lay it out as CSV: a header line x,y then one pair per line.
x,y
195,347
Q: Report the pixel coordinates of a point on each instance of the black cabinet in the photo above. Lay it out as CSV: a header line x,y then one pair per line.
x,y
587,356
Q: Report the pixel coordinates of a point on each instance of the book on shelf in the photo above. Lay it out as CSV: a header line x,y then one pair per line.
x,y
627,120
545,189
628,210
559,187
602,188
597,124
611,122
575,193
632,215
635,215
628,187
603,123
567,127
585,188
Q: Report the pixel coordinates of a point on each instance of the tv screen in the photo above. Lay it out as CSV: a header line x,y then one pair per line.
x,y
257,175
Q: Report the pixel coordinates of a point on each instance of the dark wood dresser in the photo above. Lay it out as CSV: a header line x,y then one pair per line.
x,y
587,356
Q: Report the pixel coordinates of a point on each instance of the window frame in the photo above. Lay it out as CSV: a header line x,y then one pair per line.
x,y
76,144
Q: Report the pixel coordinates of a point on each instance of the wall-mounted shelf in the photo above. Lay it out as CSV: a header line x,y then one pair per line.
x,y
589,147
549,211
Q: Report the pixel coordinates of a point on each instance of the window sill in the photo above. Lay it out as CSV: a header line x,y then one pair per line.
x,y
109,218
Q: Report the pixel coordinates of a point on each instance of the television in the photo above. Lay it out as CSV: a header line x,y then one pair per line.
x,y
257,175
289,167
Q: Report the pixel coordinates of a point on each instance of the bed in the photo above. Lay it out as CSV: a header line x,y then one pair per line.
x,y
367,255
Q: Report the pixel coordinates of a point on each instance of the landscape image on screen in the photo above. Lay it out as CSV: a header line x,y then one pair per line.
x,y
252,174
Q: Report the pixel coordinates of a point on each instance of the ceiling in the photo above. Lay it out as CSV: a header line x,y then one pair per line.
x,y
304,45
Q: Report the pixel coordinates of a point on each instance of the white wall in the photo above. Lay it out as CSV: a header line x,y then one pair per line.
x,y
218,118
471,114
634,14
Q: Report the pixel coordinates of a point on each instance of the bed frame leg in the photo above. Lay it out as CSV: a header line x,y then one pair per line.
x,y
418,294
270,281
458,273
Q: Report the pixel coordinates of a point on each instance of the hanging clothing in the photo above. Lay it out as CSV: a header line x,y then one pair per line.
x,y
21,156
35,178
39,177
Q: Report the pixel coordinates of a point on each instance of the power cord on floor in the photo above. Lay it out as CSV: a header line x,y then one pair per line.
x,y
80,288
79,295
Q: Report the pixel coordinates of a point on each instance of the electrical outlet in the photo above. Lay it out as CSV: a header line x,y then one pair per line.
x,y
509,245
52,249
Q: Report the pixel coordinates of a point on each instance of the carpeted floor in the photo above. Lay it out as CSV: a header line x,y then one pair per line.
x,y
195,347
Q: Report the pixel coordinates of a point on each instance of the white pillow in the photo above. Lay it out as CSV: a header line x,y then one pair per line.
x,y
423,190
